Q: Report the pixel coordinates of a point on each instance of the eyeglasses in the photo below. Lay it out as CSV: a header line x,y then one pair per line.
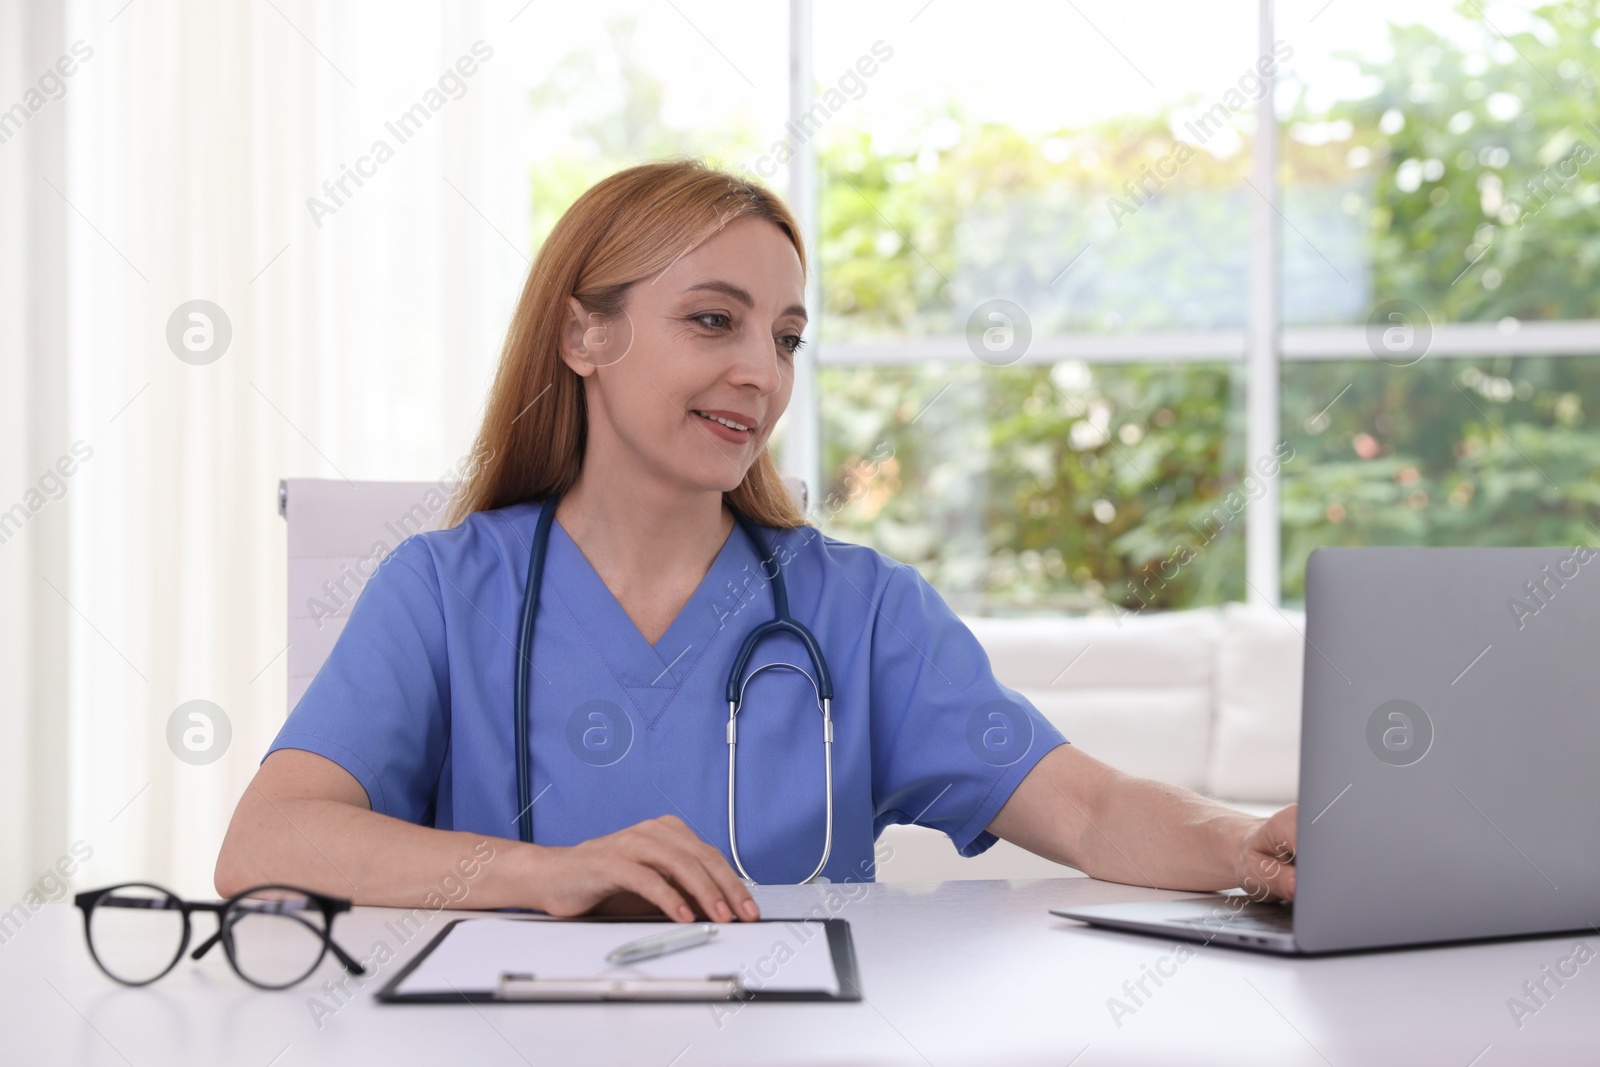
x,y
273,935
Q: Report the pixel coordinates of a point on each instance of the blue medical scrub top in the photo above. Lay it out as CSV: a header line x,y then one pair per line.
x,y
416,700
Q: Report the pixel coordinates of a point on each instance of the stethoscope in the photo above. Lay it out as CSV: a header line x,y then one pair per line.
x,y
781,622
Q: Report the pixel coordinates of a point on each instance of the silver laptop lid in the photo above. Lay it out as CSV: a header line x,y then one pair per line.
x,y
1450,754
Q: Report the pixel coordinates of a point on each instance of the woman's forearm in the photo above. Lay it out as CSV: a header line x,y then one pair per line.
x,y
1147,832
337,848
305,821
1078,811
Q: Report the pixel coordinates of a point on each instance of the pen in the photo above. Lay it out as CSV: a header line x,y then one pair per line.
x,y
660,944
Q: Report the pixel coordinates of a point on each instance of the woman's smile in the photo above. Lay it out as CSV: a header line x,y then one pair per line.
x,y
728,425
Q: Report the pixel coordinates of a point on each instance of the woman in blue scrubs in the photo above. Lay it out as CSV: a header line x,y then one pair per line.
x,y
649,359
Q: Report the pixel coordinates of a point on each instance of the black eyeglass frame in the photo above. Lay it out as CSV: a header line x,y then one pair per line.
x,y
328,906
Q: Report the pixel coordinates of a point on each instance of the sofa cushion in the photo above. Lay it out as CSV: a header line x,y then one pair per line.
x,y
1255,750
1135,691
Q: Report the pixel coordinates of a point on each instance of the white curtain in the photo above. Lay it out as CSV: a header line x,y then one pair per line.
x,y
175,164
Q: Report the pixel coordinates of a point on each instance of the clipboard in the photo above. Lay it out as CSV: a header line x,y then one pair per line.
x,y
500,962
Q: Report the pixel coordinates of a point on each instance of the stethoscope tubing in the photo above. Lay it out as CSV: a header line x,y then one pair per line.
x,y
781,622
530,610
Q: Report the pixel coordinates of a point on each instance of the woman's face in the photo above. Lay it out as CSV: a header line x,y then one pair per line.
x,y
688,382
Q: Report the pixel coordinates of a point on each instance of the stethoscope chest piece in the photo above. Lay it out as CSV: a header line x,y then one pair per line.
x,y
824,705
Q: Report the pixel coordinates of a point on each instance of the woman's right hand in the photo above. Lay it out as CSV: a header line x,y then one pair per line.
x,y
660,861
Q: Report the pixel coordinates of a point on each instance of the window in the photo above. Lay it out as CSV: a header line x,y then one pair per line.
x,y
1093,330
1030,298
1427,363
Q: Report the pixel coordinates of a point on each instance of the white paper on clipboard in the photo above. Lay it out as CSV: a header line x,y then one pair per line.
x,y
766,956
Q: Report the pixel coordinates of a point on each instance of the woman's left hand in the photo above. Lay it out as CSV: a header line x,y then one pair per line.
x,y
1266,859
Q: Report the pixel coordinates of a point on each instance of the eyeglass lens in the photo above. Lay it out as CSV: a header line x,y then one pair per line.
x,y
278,936
136,932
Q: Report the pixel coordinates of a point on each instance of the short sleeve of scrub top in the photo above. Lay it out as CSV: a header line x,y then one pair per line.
x,y
954,742
415,701
379,705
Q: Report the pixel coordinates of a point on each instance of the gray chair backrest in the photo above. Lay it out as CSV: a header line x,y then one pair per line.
x,y
338,532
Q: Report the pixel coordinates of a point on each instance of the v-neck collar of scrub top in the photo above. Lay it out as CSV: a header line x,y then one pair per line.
x,y
651,673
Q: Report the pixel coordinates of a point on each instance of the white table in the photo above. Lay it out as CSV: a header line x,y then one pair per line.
x,y
953,973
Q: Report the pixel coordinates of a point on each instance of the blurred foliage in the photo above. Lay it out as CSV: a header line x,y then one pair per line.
x,y
915,234
1037,488
1447,452
1470,213
1032,487
1480,167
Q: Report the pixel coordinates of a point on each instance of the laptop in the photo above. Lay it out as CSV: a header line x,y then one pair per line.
x,y
1449,758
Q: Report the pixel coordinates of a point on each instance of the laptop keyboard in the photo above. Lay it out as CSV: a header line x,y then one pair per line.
x,y
1257,918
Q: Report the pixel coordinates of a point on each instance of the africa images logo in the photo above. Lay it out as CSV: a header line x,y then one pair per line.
x,y
1399,733
999,732
599,733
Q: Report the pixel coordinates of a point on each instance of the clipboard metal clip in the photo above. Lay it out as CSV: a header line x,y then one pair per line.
x,y
530,987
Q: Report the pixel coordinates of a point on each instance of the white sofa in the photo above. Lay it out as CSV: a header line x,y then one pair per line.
x,y
1208,699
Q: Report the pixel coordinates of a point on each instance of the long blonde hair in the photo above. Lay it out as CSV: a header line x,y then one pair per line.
x,y
628,227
